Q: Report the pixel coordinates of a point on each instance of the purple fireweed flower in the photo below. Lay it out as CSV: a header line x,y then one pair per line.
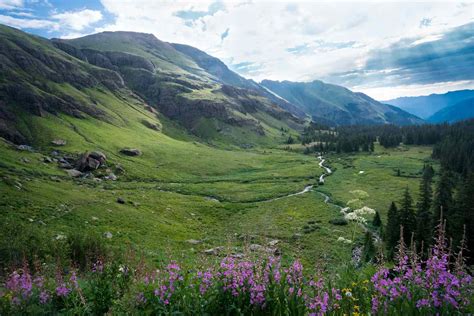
x,y
73,279
62,290
43,297
140,298
13,283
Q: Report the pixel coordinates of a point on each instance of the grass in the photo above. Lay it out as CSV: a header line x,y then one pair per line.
x,y
377,174
170,190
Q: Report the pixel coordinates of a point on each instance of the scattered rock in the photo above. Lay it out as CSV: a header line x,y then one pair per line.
x,y
111,177
59,142
74,173
260,248
212,199
119,169
131,152
273,243
193,241
24,147
47,159
238,255
25,160
108,235
98,155
120,200
297,236
95,218
213,251
361,172
151,125
54,178
90,161
64,165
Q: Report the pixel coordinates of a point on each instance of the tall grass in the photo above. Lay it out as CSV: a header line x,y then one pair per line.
x,y
440,284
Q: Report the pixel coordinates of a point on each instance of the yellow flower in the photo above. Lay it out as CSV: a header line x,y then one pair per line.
x,y
354,284
365,281
355,314
356,308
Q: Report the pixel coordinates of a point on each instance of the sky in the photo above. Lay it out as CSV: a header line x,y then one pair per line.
x,y
385,49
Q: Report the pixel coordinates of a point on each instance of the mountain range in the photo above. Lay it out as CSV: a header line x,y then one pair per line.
x,y
426,106
336,105
104,75
460,111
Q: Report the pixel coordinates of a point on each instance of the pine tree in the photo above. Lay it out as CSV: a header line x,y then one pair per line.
x,y
392,231
407,215
461,216
424,231
369,247
443,198
377,222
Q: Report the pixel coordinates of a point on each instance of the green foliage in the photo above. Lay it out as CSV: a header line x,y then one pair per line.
x,y
392,230
407,217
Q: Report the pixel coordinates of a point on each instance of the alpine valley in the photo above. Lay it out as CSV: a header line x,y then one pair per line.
x,y
141,177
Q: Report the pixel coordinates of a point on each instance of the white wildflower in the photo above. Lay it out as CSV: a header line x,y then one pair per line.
x,y
365,211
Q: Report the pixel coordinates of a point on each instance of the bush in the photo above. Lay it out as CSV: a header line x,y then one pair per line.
x,y
338,221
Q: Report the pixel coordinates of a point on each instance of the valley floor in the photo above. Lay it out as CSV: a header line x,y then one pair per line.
x,y
202,198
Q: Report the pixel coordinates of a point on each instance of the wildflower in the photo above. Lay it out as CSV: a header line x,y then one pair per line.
x,y
62,290
43,297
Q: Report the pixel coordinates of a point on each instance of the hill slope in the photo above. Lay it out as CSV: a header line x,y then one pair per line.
x,y
179,88
43,78
425,106
460,111
336,105
226,76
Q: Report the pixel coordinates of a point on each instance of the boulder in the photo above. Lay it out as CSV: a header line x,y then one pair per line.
x,y
58,142
24,147
90,161
111,176
92,164
193,241
120,200
273,243
74,173
97,155
213,251
131,152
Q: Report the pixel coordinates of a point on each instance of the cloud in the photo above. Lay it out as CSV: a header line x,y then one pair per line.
x,y
11,4
364,45
28,23
447,57
78,20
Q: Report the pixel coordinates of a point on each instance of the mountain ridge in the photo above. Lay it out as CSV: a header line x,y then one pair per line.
x,y
459,111
427,105
337,105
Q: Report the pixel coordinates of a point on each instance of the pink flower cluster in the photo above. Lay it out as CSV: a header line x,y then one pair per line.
x,y
433,284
